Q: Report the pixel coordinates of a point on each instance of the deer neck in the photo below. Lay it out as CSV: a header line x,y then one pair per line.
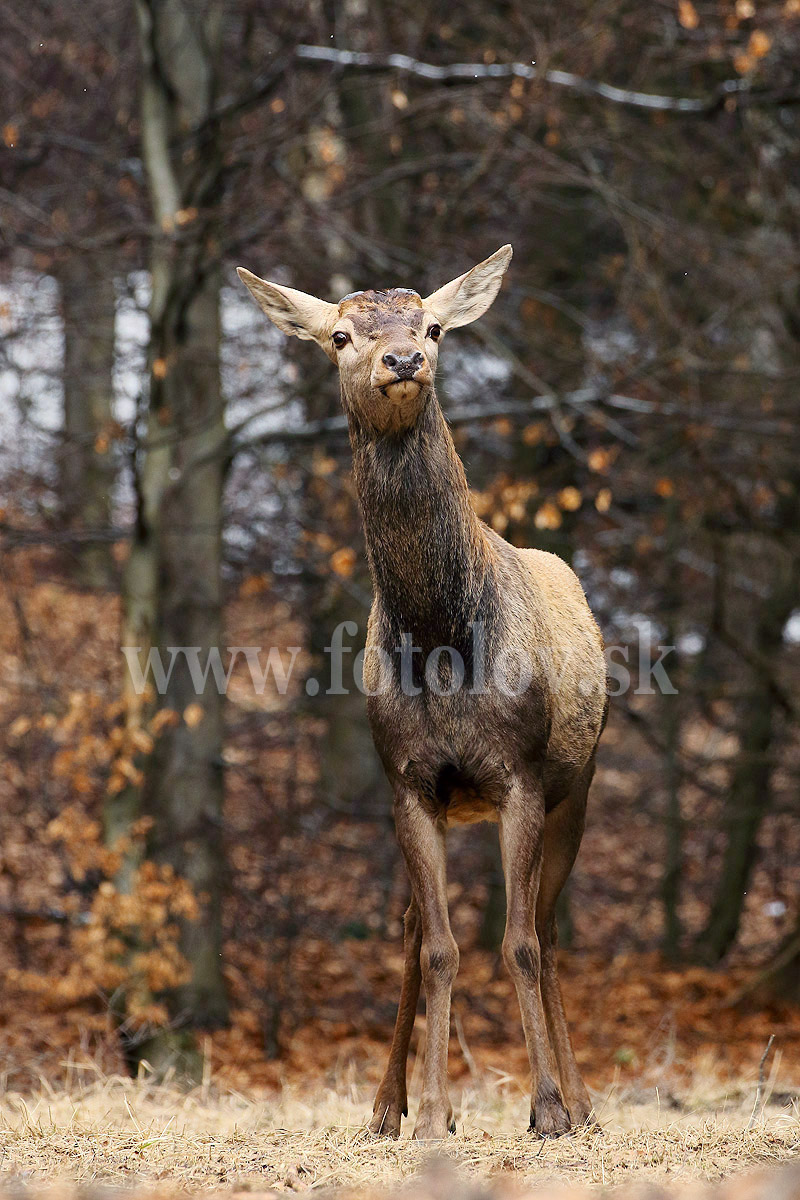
x,y
427,551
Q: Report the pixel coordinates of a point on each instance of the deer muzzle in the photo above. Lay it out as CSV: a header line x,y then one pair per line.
x,y
401,376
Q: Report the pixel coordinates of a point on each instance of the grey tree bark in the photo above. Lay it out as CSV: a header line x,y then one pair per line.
x,y
750,794
350,771
87,465
670,705
172,586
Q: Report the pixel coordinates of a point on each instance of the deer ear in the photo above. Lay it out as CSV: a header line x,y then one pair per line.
x,y
292,311
468,297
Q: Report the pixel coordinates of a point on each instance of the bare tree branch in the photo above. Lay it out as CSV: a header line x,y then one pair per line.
x,y
565,79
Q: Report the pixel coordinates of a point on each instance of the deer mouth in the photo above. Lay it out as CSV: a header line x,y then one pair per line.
x,y
402,391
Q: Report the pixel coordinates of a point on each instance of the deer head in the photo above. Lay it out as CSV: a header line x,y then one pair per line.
x,y
385,343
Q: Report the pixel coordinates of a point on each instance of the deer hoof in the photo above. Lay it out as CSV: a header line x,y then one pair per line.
x,y
434,1124
386,1120
549,1117
582,1117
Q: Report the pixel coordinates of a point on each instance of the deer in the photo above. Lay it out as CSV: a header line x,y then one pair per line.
x,y
504,726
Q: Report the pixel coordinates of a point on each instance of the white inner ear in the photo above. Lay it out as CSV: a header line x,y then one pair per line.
x,y
466,298
293,312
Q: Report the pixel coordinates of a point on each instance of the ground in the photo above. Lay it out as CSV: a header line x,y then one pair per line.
x,y
112,1132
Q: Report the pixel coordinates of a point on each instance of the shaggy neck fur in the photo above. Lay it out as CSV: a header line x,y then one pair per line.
x,y
427,552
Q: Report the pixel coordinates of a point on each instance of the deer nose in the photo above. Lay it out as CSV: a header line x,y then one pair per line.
x,y
405,366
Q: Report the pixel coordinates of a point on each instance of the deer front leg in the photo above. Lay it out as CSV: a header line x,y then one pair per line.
x,y
391,1102
422,841
521,843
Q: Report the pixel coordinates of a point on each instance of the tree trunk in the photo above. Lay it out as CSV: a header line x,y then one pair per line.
x,y
184,788
780,981
493,921
670,707
87,463
748,802
350,770
172,585
750,792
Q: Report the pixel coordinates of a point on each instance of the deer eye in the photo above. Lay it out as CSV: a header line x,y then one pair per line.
x,y
434,333
340,339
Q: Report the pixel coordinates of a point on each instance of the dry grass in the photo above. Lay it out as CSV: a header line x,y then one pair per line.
x,y
113,1132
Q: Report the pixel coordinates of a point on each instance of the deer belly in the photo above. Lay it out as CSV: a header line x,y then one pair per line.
x,y
462,802
469,808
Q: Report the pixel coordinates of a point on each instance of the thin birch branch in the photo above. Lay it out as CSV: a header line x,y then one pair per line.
x,y
565,79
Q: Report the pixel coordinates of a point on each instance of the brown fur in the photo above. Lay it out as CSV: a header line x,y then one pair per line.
x,y
524,761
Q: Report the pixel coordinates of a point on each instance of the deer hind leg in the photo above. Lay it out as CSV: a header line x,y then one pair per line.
x,y
391,1102
422,841
522,823
563,830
